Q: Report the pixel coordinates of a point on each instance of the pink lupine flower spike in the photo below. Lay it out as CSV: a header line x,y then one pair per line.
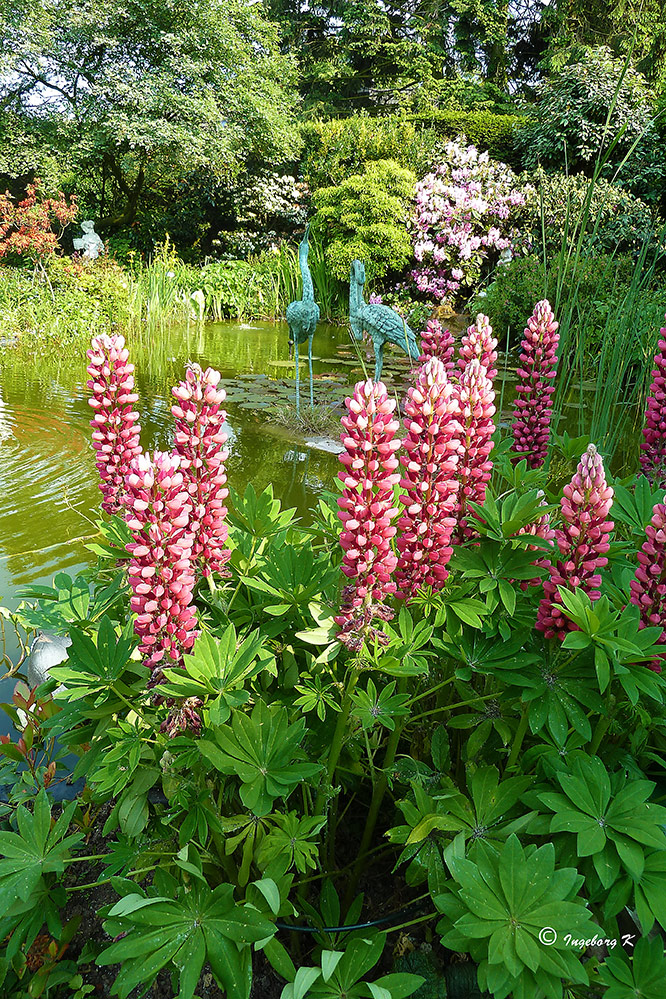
x,y
533,405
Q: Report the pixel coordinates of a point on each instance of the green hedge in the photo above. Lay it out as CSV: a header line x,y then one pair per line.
x,y
483,129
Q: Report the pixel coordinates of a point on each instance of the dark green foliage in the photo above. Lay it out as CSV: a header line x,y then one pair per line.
x,y
485,129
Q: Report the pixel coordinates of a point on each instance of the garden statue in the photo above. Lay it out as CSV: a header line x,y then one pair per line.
x,y
90,242
47,650
381,322
303,317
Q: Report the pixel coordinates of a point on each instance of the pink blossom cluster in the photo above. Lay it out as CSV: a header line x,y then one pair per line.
x,y
533,405
479,342
200,444
582,542
653,445
463,213
648,587
160,572
439,343
476,400
433,447
367,509
115,428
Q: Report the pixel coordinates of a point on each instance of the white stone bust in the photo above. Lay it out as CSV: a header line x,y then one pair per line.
x,y
89,242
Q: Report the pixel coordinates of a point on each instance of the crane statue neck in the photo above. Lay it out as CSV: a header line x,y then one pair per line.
x,y
308,287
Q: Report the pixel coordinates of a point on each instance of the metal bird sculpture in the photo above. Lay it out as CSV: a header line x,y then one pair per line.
x,y
302,317
381,322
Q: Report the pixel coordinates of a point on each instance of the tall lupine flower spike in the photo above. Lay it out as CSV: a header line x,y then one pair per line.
x,y
648,588
367,509
433,447
115,428
582,542
533,404
479,342
653,446
160,572
476,400
200,444
439,343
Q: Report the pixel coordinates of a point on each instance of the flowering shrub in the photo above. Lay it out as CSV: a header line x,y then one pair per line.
x,y
582,542
26,227
465,212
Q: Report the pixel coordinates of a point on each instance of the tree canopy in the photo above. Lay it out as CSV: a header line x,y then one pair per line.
x,y
138,93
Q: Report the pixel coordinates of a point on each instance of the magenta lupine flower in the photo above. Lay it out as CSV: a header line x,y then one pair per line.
x,y
648,588
367,509
653,446
200,444
115,428
582,542
433,445
439,343
479,342
476,400
160,571
533,404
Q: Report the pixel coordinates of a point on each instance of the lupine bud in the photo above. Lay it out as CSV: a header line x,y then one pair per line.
x,y
648,587
533,404
115,430
582,542
160,571
479,342
476,400
367,509
184,717
433,445
200,444
653,446
439,343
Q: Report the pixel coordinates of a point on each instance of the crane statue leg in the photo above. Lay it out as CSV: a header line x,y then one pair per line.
x,y
298,387
310,339
379,360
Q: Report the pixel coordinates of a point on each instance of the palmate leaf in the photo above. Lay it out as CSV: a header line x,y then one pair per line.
x,y
502,903
184,931
69,601
263,751
36,849
644,975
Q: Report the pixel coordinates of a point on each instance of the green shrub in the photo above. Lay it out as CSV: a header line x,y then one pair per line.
x,y
335,150
364,218
511,297
583,110
613,220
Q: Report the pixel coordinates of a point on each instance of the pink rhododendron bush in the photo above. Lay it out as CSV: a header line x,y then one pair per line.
x,y
438,705
466,213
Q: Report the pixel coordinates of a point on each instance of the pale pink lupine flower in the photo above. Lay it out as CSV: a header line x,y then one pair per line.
x,y
200,444
367,509
582,542
653,445
115,428
648,587
433,445
476,400
533,404
160,571
439,343
479,342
